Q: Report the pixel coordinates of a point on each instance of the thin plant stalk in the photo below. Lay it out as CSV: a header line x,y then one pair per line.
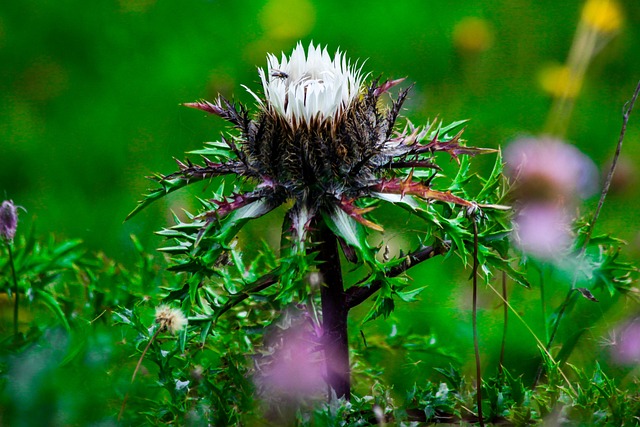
x,y
571,295
543,304
568,383
504,324
476,347
15,290
135,371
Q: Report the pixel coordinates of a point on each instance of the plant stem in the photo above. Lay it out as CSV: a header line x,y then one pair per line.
x,y
571,295
504,327
258,285
543,304
356,295
15,291
334,314
476,347
628,107
144,353
135,371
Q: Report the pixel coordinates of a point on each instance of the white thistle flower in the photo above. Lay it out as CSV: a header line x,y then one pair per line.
x,y
171,319
322,140
308,87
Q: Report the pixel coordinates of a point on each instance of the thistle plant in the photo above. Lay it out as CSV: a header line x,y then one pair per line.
x,y
324,145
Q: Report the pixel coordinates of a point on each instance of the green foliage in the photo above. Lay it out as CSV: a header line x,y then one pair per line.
x,y
65,356
202,374
86,322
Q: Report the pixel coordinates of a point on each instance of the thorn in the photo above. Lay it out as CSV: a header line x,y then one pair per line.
x,y
386,86
406,183
412,139
206,106
181,165
435,137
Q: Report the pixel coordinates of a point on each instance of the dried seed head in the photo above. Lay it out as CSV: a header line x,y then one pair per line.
x,y
171,319
8,220
315,279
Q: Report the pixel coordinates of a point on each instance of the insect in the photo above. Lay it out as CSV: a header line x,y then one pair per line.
x,y
279,74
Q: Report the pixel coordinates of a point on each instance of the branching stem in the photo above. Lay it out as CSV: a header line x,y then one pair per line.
x,y
356,295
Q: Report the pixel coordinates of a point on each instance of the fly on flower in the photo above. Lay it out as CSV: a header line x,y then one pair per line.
x,y
279,74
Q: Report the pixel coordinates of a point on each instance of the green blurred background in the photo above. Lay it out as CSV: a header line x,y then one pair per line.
x,y
90,93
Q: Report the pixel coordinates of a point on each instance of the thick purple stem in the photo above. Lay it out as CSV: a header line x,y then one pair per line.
x,y
334,314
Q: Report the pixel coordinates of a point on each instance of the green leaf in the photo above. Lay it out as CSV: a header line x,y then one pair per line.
x,y
166,186
54,306
232,223
492,184
194,283
410,296
123,316
463,177
352,232
217,149
398,199
204,330
442,130
382,307
182,339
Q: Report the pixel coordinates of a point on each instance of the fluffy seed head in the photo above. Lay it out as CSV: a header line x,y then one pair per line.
x,y
171,319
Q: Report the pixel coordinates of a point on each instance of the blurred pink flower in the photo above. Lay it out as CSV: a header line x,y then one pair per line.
x,y
548,169
543,230
292,365
625,345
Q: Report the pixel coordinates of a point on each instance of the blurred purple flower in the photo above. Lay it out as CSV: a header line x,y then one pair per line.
x,y
296,369
292,366
625,345
8,220
549,169
543,230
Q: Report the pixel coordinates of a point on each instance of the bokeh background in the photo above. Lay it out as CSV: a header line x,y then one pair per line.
x,y
90,94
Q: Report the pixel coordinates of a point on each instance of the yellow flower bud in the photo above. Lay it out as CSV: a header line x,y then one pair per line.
x,y
473,35
560,82
602,15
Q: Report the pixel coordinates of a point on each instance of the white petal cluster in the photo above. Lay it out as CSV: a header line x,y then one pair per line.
x,y
309,86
